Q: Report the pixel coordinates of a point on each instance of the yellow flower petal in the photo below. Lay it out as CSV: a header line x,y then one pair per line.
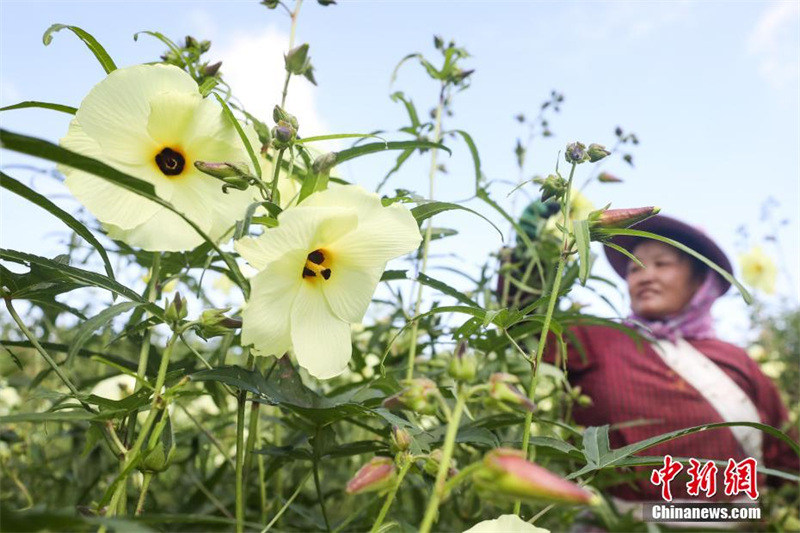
x,y
266,316
321,341
759,270
508,523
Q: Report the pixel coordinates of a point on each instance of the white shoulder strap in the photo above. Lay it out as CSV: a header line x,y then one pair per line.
x,y
729,400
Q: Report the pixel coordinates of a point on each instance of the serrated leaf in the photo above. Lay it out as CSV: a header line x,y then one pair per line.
x,y
20,189
97,49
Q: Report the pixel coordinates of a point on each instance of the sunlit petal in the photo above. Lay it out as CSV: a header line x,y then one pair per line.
x,y
320,340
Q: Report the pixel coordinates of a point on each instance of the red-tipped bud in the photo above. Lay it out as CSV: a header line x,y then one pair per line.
x,y
506,472
606,177
377,475
622,218
502,388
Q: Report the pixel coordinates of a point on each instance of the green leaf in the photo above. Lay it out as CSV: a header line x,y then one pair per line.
x,y
337,136
584,252
371,148
80,276
51,152
610,232
429,209
476,159
595,444
444,288
9,183
98,51
624,252
615,457
102,318
249,147
44,105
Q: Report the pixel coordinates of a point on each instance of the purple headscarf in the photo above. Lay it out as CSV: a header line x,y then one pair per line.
x,y
693,321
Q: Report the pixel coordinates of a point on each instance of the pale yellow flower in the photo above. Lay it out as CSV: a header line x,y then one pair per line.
x,y
759,270
318,270
579,208
150,121
507,523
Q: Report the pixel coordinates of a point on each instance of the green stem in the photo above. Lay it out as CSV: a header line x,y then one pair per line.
x,y
148,477
274,184
444,466
252,437
132,456
412,350
286,505
320,496
286,86
551,305
262,487
387,504
240,462
43,352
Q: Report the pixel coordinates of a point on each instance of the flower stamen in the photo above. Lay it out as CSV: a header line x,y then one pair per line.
x,y
170,162
316,264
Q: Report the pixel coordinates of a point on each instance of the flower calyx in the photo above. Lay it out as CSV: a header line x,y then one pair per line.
x,y
463,365
176,310
214,323
504,391
418,396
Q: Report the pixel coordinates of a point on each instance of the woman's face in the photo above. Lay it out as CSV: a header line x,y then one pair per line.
x,y
665,286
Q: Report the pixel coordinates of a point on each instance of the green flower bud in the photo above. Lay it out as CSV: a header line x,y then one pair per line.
x,y
418,396
324,163
596,152
279,114
434,459
617,218
552,186
503,389
379,474
401,439
297,60
506,473
176,310
222,170
463,365
283,135
214,323
159,457
270,4
576,153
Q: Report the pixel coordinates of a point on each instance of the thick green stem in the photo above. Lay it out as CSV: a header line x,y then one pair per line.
x,y
412,350
132,456
444,466
32,338
274,185
240,462
252,438
387,504
551,305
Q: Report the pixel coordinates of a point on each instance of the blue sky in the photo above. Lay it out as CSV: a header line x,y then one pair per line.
x,y
710,88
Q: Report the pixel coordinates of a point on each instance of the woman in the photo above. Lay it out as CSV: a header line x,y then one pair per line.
x,y
682,375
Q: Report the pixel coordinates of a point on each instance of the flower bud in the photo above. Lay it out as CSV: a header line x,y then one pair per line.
x,y
418,396
606,177
158,458
506,472
191,42
621,218
463,365
279,114
401,439
176,310
211,70
296,60
214,323
324,163
502,388
283,135
596,152
434,459
576,153
552,186
222,170
378,474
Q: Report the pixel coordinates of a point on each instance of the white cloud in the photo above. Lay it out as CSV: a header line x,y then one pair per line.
x,y
775,41
252,63
628,20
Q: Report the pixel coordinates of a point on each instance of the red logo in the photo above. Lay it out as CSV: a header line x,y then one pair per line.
x,y
738,477
741,477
